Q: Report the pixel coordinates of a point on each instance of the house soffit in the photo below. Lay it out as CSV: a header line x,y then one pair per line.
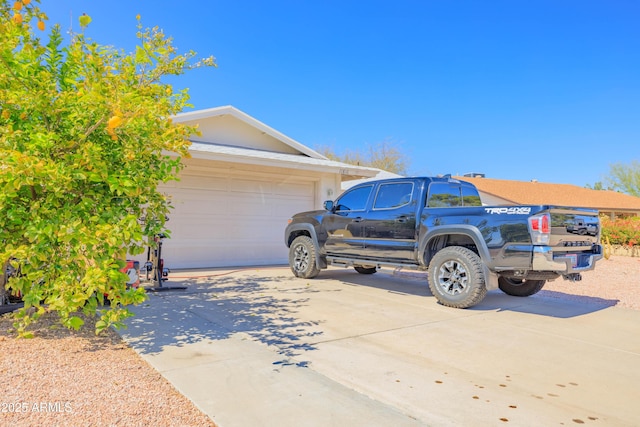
x,y
282,160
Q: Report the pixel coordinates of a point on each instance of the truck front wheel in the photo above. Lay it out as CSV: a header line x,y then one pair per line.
x,y
456,278
520,287
302,258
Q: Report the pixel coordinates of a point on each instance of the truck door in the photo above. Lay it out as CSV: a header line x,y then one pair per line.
x,y
390,226
344,224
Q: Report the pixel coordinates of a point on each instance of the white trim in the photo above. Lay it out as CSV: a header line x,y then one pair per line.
x,y
207,151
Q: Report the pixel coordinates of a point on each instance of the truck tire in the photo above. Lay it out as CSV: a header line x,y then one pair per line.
x,y
365,270
520,287
456,277
302,258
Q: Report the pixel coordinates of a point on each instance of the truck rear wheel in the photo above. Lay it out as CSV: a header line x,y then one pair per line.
x,y
456,277
520,287
302,258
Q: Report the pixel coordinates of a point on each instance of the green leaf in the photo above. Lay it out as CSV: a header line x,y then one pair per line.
x,y
75,323
31,300
84,20
100,326
141,56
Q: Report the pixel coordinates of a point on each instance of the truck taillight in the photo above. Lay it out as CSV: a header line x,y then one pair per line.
x,y
540,228
540,223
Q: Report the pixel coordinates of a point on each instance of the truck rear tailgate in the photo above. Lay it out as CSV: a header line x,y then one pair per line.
x,y
575,236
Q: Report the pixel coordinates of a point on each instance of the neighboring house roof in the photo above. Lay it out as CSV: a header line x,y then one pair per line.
x,y
228,134
538,193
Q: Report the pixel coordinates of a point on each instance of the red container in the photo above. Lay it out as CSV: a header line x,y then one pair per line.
x,y
132,269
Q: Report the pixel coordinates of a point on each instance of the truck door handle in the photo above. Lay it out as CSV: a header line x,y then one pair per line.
x,y
357,219
401,219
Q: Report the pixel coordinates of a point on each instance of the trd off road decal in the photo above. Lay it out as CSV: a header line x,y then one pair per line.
x,y
521,210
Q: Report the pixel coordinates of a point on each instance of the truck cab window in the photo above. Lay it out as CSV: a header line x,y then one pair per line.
x,y
444,195
393,195
354,200
470,196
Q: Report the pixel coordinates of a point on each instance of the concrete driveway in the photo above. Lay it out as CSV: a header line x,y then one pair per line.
x,y
258,347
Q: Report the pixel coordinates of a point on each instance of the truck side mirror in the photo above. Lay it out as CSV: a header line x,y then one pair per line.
x,y
328,205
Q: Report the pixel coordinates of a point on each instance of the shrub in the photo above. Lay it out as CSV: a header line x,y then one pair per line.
x,y
85,140
621,231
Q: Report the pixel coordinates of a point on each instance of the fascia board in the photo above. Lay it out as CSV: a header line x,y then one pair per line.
x,y
316,165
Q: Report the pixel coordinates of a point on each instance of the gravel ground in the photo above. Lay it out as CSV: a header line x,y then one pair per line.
x,y
614,281
64,378
69,379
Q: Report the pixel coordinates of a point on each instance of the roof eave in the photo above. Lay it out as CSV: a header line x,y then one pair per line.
x,y
345,170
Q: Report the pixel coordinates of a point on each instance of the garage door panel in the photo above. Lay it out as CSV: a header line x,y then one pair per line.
x,y
250,205
243,204
231,232
204,183
218,221
292,189
197,254
191,200
250,186
260,231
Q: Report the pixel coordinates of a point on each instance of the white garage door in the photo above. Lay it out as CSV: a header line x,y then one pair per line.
x,y
224,221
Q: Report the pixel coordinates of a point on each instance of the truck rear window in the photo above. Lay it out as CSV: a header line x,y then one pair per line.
x,y
451,195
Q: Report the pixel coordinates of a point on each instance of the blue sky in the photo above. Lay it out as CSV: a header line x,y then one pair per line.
x,y
515,89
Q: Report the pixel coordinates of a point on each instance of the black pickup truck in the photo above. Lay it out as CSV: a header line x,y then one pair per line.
x,y
440,225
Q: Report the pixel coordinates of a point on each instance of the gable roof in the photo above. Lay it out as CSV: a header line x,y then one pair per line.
x,y
286,153
244,117
539,193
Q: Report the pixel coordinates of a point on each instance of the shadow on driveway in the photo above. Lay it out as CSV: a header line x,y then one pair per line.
x,y
215,308
545,303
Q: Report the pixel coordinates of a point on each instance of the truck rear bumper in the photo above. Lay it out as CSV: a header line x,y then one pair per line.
x,y
544,259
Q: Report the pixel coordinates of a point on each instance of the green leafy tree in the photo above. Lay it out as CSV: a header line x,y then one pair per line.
x,y
384,155
85,138
625,177
597,186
